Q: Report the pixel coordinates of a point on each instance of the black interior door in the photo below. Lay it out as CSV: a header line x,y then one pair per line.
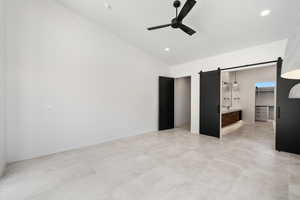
x,y
166,103
210,103
288,115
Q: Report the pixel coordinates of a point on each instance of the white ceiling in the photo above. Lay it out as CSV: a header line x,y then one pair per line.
x,y
221,25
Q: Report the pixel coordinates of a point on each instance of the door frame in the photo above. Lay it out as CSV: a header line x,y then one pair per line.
x,y
252,66
174,113
190,78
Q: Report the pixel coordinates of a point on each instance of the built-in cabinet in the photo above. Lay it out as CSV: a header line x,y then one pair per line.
x,y
264,113
231,117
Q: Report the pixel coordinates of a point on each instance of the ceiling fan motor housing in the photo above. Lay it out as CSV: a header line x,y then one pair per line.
x,y
175,23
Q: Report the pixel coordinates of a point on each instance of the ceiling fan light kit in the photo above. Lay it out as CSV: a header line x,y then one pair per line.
x,y
177,21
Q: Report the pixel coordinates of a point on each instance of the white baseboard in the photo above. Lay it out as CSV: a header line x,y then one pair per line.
x,y
75,147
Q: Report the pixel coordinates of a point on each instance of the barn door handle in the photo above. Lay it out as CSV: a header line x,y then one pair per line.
x,y
278,112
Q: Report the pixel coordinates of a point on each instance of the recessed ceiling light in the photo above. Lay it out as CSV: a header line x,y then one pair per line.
x,y
107,6
265,13
167,49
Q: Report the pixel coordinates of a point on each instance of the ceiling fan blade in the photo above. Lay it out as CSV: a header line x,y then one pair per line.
x,y
189,4
186,29
157,27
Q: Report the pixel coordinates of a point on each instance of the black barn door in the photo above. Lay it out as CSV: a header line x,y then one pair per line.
x,y
210,103
288,115
166,103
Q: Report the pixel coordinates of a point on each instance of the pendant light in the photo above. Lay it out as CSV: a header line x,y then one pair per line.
x,y
235,83
291,63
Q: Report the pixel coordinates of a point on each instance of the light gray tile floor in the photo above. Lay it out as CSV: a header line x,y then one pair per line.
x,y
167,165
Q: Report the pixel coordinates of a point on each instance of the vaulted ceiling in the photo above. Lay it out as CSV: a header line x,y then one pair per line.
x,y
221,25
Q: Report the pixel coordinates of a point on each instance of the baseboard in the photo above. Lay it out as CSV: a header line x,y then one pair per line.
x,y
97,142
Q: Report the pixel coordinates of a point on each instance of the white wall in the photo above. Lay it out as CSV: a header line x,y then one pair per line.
x,y
255,54
2,92
182,101
247,80
71,83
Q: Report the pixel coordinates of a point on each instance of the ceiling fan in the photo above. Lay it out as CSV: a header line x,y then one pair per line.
x,y
177,21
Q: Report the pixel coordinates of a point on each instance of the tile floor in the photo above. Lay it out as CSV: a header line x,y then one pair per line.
x,y
166,165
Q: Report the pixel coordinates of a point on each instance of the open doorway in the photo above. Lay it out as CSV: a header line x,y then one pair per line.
x,y
242,125
182,103
248,102
265,102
